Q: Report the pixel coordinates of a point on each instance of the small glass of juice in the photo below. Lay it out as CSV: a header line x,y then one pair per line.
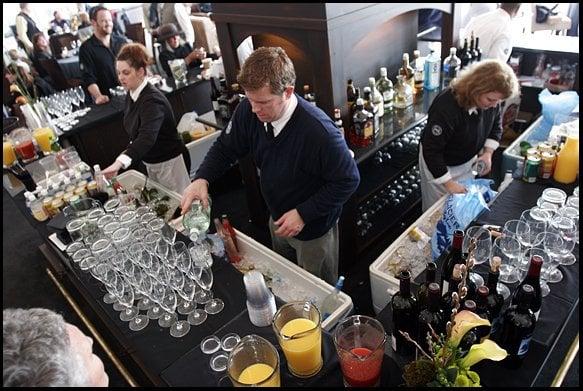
x,y
254,362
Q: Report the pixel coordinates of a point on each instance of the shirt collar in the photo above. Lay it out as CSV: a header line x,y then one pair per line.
x,y
279,124
473,110
135,94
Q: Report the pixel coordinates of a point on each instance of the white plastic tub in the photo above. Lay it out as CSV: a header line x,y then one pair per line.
x,y
291,282
383,284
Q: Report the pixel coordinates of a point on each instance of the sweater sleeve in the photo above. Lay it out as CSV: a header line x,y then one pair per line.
x,y
339,174
232,144
436,136
151,118
493,140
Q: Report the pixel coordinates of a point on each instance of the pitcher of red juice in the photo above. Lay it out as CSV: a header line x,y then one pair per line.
x,y
360,344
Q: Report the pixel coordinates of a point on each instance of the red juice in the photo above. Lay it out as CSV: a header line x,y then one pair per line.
x,y
362,373
26,150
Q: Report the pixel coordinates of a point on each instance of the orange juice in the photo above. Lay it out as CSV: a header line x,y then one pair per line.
x,y
8,155
567,164
258,373
43,138
304,354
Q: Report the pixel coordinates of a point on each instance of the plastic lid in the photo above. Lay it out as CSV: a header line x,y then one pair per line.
x,y
340,282
219,361
256,289
229,341
210,344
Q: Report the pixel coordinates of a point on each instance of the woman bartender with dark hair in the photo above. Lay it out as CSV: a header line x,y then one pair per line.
x,y
149,121
463,127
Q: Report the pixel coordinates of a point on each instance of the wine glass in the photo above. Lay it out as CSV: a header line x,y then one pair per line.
x,y
509,250
156,295
572,213
567,228
187,293
168,234
206,279
168,304
553,245
482,252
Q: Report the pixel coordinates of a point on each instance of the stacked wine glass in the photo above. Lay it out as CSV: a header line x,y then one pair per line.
x,y
147,274
65,106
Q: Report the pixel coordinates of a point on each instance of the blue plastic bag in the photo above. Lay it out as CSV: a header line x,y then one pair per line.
x,y
459,211
553,104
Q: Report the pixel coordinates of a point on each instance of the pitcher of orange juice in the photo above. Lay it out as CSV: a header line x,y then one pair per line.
x,y
254,362
567,165
298,328
8,155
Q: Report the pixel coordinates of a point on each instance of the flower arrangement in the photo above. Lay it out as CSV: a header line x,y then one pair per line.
x,y
445,365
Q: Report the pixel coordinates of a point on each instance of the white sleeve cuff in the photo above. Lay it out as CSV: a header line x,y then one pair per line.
x,y
442,179
125,160
491,143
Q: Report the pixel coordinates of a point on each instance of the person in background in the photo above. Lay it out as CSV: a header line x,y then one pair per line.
x,y
84,19
41,51
495,31
58,24
40,349
97,56
18,60
463,127
179,14
25,27
169,36
150,124
307,172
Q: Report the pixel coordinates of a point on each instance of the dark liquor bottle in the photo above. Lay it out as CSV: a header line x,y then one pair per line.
x,y
532,279
350,93
451,67
309,96
432,315
215,93
518,323
223,102
472,336
465,55
363,125
495,299
473,50
446,300
338,121
482,310
372,108
454,257
423,292
356,96
404,308
478,50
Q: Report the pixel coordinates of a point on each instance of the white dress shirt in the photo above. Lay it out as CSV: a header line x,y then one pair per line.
x,y
182,14
279,124
495,32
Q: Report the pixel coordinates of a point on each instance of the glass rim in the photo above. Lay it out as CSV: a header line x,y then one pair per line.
x,y
250,338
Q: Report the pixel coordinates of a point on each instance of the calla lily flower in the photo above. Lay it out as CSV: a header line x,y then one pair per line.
x,y
487,349
464,321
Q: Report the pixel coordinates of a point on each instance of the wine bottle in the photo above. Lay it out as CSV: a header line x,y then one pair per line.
x,y
446,300
423,291
465,56
473,50
432,315
350,93
333,301
482,309
407,71
404,308
215,93
451,67
385,87
472,336
454,257
223,102
518,323
495,299
478,50
532,279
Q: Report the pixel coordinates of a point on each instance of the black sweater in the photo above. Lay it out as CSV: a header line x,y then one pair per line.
x,y
452,136
307,166
150,123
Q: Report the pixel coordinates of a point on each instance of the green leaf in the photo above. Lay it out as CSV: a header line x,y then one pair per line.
x,y
462,381
474,377
451,373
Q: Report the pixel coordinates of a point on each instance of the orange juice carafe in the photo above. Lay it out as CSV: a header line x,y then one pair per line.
x,y
8,155
567,165
43,137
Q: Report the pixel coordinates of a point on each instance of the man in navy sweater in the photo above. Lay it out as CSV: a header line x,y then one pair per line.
x,y
306,170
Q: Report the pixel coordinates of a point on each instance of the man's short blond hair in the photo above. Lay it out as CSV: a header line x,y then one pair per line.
x,y
267,66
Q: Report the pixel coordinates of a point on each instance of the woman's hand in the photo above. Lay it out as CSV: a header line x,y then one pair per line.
x,y
453,187
112,170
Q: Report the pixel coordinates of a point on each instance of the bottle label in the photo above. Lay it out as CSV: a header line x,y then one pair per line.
x,y
523,348
388,95
368,129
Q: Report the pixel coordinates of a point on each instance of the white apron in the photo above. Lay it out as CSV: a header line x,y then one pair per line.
x,y
431,191
172,173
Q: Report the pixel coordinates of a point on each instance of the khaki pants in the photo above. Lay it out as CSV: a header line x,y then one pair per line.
x,y
171,174
431,192
318,256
